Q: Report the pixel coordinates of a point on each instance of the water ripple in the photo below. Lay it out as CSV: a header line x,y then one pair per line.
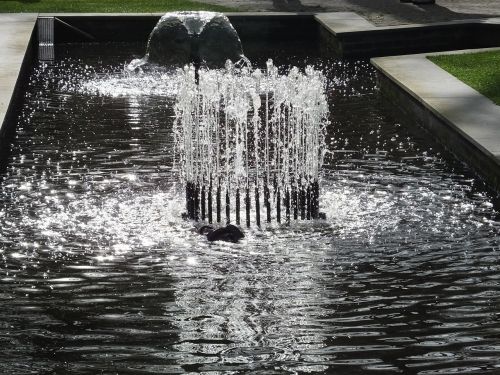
x,y
98,271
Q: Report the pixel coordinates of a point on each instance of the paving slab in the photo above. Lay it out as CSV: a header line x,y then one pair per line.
x,y
15,35
342,22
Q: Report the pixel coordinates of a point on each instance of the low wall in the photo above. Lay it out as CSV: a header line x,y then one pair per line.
x,y
409,39
464,143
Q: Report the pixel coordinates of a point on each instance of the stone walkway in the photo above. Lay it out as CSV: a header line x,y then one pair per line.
x,y
380,12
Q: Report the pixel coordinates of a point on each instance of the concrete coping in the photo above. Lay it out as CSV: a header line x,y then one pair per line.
x,y
349,22
15,35
469,113
342,22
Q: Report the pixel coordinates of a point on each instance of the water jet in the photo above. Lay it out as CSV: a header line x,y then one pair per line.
x,y
201,38
251,134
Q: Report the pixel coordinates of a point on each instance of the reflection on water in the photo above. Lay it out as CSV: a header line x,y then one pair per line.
x,y
99,274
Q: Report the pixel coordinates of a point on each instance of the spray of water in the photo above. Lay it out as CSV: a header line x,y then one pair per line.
x,y
241,133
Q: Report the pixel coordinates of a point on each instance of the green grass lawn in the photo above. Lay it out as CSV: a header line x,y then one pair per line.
x,y
480,71
105,6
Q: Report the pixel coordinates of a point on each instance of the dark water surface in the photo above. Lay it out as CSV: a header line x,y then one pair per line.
x,y
100,275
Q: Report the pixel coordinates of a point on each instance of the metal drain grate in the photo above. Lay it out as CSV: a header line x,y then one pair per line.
x,y
46,38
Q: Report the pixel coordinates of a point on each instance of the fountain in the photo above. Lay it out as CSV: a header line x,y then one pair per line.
x,y
241,134
244,134
181,38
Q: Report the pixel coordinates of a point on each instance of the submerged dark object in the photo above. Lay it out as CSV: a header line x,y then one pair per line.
x,y
229,233
202,38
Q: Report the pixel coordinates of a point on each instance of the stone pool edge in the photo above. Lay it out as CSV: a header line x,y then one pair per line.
x,y
17,34
350,35
463,120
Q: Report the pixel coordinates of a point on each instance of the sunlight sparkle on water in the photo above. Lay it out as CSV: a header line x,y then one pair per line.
x,y
402,272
